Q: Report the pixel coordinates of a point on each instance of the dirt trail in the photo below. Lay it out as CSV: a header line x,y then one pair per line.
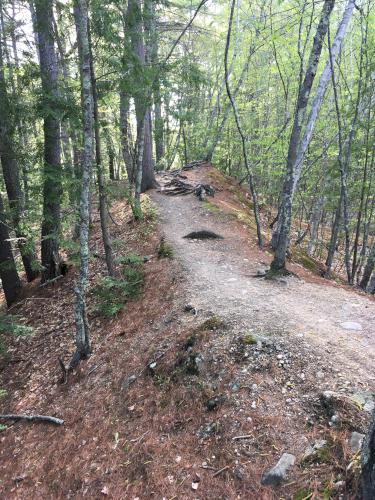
x,y
220,278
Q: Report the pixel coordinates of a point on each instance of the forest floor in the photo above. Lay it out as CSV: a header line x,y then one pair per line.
x,y
197,386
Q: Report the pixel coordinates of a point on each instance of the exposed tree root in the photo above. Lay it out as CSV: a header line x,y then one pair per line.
x,y
34,418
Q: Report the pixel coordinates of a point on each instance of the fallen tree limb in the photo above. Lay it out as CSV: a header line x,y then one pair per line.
x,y
34,418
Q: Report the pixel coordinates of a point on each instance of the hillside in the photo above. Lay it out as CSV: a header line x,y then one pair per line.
x,y
201,382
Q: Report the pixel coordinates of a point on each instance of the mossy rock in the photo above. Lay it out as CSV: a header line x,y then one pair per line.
x,y
212,324
248,339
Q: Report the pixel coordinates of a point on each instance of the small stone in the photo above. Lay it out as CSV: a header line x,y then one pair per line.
x,y
239,472
356,441
320,374
215,402
335,420
351,325
261,272
207,430
253,405
278,473
369,406
339,485
194,485
312,452
128,382
234,387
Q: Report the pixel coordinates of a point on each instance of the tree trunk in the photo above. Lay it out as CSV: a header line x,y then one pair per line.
x,y
368,463
148,175
228,107
152,48
141,96
12,179
243,139
158,124
83,345
8,271
314,223
125,135
285,215
52,169
369,267
321,89
106,236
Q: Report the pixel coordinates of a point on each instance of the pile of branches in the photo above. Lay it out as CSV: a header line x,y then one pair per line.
x,y
177,187
194,164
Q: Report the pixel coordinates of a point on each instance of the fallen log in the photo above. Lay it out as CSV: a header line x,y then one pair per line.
x,y
194,164
34,418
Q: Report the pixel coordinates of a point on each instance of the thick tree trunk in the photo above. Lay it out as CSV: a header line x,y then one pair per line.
x,y
83,345
369,267
368,463
8,271
12,179
52,169
152,48
142,98
285,215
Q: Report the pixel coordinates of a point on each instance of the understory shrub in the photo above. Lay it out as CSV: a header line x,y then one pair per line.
x,y
113,293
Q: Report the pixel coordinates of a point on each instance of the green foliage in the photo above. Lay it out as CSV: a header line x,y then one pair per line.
x,y
113,293
130,258
12,325
165,250
149,210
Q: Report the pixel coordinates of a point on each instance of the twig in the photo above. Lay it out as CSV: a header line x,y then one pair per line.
x,y
220,471
245,436
51,281
94,368
137,440
34,418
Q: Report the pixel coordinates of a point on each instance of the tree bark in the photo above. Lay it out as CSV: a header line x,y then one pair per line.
x,y
106,236
243,139
52,190
369,267
12,179
8,271
127,154
368,463
285,215
83,345
141,96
